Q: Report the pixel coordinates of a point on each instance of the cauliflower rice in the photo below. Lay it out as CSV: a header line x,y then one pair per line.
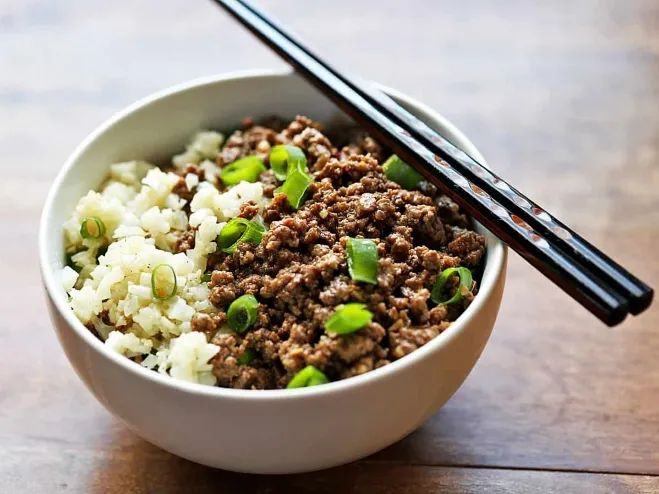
x,y
143,219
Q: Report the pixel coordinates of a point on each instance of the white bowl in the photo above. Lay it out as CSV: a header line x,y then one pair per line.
x,y
275,431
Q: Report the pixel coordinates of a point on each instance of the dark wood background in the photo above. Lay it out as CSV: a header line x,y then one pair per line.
x,y
562,97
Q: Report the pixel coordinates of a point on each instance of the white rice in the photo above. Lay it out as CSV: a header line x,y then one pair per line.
x,y
143,220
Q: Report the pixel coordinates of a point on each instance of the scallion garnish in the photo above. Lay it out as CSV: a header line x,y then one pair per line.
x,y
309,376
246,169
348,319
400,172
247,357
242,313
163,282
290,165
239,230
362,256
206,277
295,187
465,285
92,227
283,158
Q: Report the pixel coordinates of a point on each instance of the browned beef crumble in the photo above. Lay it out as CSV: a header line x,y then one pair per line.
x,y
185,241
269,182
248,210
299,272
184,192
254,140
362,143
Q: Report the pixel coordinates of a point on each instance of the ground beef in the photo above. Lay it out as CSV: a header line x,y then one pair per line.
x,y
253,140
248,210
208,324
299,270
193,169
362,143
296,127
181,189
277,207
308,136
468,245
224,289
230,374
269,182
185,241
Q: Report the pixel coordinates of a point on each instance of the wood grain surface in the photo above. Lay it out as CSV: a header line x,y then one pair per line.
x,y
561,96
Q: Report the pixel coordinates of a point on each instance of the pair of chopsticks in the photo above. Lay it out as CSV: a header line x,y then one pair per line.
x,y
597,282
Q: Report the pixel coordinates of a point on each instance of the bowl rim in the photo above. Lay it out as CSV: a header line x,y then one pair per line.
x,y
494,268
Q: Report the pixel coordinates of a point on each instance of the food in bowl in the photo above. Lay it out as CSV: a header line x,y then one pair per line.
x,y
280,258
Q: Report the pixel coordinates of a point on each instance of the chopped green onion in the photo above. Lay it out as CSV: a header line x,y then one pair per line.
x,y
92,227
239,230
283,158
290,165
242,313
295,187
246,169
465,285
163,282
400,172
206,277
348,319
309,376
247,357
362,260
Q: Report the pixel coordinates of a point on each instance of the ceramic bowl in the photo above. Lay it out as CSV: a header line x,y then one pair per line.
x,y
274,431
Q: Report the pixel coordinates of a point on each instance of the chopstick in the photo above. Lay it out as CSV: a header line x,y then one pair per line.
x,y
563,269
607,270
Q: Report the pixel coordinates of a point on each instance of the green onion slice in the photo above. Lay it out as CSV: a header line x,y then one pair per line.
x,y
163,282
295,187
285,158
348,319
239,230
362,260
242,313
92,227
290,165
247,357
400,172
309,376
246,169
465,285
206,277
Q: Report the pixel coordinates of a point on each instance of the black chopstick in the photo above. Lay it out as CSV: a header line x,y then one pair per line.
x,y
582,285
618,278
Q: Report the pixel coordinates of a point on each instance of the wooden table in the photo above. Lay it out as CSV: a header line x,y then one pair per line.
x,y
562,96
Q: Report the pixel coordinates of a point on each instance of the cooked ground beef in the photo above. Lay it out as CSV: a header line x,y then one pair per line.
x,y
362,143
253,140
299,272
181,189
248,210
269,182
185,241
